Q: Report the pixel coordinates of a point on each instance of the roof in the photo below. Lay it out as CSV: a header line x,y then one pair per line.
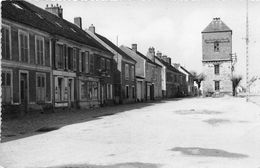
x,y
33,16
168,66
216,25
147,59
186,71
117,49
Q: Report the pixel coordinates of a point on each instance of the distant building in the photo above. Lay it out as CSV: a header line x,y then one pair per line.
x,y
148,74
190,89
175,84
216,58
124,82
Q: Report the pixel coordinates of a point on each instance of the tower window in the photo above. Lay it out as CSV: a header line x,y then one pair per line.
x,y
216,85
216,69
216,46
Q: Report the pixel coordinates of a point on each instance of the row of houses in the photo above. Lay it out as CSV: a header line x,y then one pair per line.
x,y
48,63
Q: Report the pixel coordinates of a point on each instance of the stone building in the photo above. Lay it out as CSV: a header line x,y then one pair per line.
x,y
148,74
124,89
174,84
216,58
49,62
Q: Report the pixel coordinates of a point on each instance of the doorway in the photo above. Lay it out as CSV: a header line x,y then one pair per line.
x,y
23,92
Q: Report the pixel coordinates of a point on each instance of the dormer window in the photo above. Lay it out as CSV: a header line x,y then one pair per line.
x,y
17,6
216,46
58,24
73,30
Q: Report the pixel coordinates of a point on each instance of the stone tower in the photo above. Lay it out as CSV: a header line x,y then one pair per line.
x,y
216,58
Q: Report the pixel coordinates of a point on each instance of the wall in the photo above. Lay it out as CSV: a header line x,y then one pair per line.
x,y
225,46
224,77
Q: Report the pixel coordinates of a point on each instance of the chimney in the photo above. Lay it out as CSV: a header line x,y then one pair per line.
x,y
169,60
134,47
159,55
92,28
164,58
177,66
151,54
78,21
56,10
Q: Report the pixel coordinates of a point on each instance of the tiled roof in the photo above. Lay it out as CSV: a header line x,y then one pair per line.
x,y
147,59
216,25
130,51
168,66
31,15
117,49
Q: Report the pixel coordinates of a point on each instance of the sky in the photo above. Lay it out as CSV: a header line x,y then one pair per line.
x,y
172,27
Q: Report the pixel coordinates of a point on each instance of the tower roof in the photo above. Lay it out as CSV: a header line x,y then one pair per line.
x,y
216,25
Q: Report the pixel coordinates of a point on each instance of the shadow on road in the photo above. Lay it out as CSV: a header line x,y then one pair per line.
x,y
120,165
196,151
36,123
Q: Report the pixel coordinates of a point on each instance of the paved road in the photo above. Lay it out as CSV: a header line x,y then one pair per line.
x,y
197,132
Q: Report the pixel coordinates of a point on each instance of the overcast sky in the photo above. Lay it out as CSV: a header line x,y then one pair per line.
x,y
171,26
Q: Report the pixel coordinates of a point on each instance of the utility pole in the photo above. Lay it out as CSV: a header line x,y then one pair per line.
x,y
247,59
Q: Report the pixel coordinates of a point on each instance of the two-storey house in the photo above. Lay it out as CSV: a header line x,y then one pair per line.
x,y
124,70
148,75
54,61
26,59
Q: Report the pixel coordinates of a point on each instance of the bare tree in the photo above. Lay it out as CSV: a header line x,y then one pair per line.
x,y
198,78
235,82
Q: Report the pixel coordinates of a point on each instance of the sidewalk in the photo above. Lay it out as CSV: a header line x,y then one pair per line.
x,y
37,123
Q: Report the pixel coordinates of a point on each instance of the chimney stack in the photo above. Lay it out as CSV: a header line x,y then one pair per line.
x,y
78,22
92,28
169,60
159,55
134,47
56,10
177,66
151,54
164,58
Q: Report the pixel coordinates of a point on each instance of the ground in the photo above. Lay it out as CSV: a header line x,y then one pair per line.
x,y
191,132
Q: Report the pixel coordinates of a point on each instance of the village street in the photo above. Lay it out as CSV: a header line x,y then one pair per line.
x,y
177,133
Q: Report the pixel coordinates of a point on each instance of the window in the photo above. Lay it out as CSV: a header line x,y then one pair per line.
x,y
133,91
6,43
217,85
89,90
91,63
85,62
6,86
59,56
102,63
39,43
132,73
126,71
109,91
23,46
59,89
70,59
80,61
108,65
127,91
175,78
40,87
216,46
75,56
216,69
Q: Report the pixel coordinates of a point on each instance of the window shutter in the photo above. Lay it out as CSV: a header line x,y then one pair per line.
x,y
80,62
65,57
